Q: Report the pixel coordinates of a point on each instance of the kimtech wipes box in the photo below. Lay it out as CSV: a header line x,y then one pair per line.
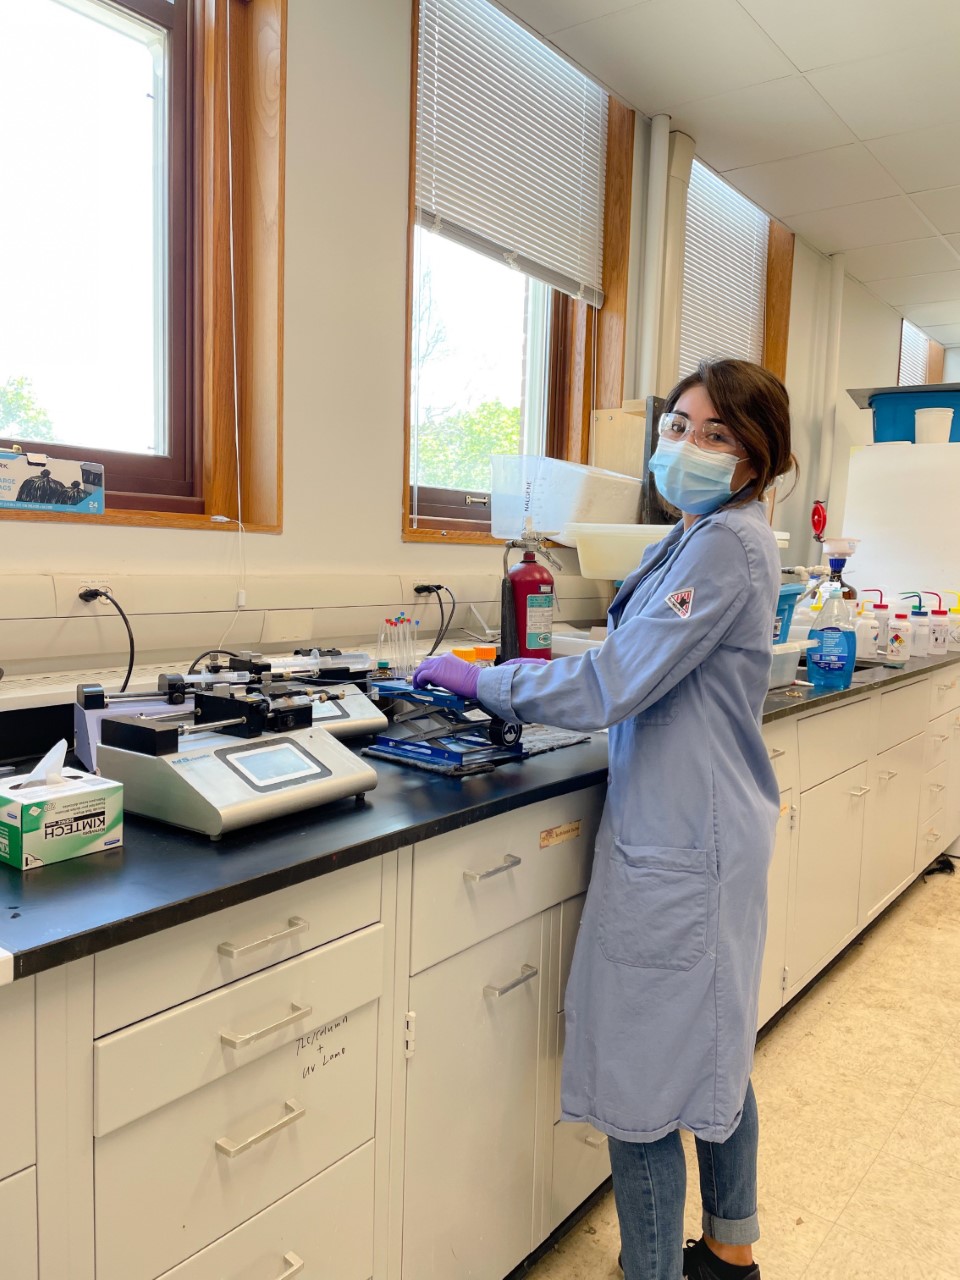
x,y
54,813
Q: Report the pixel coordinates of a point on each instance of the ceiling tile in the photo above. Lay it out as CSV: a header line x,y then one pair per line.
x,y
935,287
941,207
660,54
818,33
854,226
927,313
910,258
914,89
548,16
947,334
761,122
922,158
818,180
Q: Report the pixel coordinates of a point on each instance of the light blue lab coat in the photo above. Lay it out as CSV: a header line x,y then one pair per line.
x,y
661,1006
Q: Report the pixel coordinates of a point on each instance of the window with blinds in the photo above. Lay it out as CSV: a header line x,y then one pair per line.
x,y
914,354
724,273
511,146
509,195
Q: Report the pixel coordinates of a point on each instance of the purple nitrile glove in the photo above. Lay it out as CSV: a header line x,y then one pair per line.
x,y
450,673
524,662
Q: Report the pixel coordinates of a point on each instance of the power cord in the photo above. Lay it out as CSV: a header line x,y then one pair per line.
x,y
88,595
427,588
210,653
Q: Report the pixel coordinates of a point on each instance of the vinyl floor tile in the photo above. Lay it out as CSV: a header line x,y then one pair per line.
x,y
928,1134
943,1078
845,1255
908,1209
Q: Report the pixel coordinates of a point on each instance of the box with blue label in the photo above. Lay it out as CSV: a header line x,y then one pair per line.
x,y
36,482
48,816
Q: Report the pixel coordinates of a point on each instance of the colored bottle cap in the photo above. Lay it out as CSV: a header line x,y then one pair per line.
x,y
880,606
900,615
486,652
939,613
468,655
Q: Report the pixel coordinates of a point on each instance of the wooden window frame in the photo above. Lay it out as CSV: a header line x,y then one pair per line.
x,y
779,290
257,30
587,344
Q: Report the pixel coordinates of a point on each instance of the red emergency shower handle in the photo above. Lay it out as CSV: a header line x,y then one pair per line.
x,y
818,519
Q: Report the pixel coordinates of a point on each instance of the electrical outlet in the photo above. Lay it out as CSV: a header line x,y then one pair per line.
x,y
97,584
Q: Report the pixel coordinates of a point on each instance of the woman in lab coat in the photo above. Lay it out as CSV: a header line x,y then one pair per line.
x,y
661,1006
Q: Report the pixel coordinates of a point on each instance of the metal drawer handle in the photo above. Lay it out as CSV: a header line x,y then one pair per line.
x,y
509,862
240,1040
776,752
292,1112
944,688
294,925
596,1140
527,971
938,787
934,835
888,774
941,737
859,793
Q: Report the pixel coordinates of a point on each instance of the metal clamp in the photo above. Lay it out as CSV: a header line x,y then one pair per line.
x,y
509,862
294,925
527,971
859,793
888,774
240,1040
292,1112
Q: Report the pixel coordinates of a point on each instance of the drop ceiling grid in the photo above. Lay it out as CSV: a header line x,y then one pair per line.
x,y
841,119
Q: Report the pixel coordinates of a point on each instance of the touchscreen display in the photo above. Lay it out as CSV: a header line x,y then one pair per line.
x,y
280,763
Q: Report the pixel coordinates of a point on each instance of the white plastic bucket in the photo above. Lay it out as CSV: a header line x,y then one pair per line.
x,y
551,493
932,426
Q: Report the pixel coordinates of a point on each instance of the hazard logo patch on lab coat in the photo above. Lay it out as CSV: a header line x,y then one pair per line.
x,y
681,602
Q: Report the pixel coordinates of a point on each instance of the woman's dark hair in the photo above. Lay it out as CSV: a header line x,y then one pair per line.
x,y
754,404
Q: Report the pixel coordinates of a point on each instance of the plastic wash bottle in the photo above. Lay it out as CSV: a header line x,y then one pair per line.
x,y
898,644
939,633
868,632
830,662
882,614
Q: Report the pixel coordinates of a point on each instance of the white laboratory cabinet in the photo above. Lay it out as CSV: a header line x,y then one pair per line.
x,y
359,1076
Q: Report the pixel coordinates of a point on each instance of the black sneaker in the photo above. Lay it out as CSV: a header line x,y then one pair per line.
x,y
698,1260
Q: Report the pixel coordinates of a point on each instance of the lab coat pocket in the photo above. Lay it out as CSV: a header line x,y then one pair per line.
x,y
663,711
654,908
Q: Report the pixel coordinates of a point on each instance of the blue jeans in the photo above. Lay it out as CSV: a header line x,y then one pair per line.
x,y
650,1184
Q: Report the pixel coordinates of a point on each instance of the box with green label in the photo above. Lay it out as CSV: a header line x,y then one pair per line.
x,y
48,821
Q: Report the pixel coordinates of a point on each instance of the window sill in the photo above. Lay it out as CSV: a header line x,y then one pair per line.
x,y
144,519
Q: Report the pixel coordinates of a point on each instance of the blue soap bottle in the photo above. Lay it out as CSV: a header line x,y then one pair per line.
x,y
830,662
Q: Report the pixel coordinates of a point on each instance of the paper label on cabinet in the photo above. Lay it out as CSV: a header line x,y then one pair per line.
x,y
557,835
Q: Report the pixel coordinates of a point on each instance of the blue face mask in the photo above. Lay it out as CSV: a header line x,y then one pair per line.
x,y
692,479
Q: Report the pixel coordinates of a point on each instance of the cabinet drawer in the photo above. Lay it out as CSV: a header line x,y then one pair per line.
x,y
145,1066
166,1185
581,1161
932,791
570,913
835,740
475,882
939,740
18,1226
904,713
944,691
327,1224
931,840
780,739
17,1070
177,964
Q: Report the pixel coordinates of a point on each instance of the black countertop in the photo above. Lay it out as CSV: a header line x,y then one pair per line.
x,y
163,876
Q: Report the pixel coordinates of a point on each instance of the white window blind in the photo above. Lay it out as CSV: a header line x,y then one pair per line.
x,y
914,350
511,146
724,273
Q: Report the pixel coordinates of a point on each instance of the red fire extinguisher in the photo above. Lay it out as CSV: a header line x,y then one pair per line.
x,y
531,589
